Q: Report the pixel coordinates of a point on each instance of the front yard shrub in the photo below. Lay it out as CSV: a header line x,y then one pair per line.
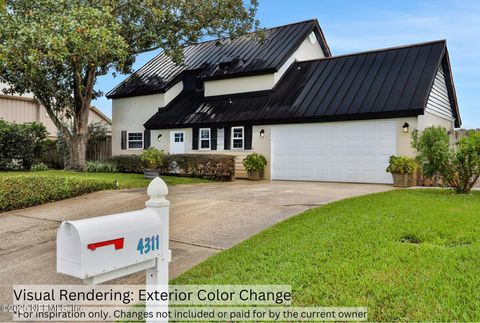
x,y
254,162
401,165
23,191
458,165
127,163
209,166
153,158
100,167
40,167
21,144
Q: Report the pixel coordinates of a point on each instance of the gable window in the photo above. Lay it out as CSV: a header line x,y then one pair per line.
x,y
204,138
237,137
135,140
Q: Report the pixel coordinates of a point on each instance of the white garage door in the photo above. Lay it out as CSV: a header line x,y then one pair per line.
x,y
349,151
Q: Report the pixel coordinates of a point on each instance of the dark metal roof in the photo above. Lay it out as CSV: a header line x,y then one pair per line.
x,y
386,83
245,55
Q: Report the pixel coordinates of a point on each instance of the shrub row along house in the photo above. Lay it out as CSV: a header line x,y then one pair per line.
x,y
313,115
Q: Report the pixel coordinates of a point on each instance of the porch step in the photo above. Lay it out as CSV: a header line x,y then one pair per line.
x,y
240,171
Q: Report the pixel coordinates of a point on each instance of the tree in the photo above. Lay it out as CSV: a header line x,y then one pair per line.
x,y
56,49
458,165
21,144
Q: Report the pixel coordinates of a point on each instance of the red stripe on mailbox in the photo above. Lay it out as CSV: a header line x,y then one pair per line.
x,y
118,243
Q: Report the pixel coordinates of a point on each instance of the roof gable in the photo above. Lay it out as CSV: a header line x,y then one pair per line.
x,y
244,55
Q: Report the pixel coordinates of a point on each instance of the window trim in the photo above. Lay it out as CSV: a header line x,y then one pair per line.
x,y
200,139
128,140
233,138
179,132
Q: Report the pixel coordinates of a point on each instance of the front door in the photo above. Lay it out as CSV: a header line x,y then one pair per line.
x,y
177,142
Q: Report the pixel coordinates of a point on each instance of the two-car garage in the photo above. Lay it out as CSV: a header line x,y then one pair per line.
x,y
346,151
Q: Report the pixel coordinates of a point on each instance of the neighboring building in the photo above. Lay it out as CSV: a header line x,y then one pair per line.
x,y
21,109
314,116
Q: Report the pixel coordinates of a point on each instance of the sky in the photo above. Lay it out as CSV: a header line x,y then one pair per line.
x,y
352,25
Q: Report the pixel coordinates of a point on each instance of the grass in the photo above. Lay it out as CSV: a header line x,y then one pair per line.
x,y
407,255
124,180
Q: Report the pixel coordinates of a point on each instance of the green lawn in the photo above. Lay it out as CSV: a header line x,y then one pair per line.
x,y
124,180
406,254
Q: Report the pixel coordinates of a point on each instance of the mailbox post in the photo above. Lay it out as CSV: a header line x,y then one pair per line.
x,y
157,277
100,249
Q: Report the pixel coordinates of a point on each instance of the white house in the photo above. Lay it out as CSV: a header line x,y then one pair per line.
x,y
313,115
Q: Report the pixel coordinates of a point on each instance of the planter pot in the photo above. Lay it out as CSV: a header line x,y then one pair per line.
x,y
401,180
255,175
151,173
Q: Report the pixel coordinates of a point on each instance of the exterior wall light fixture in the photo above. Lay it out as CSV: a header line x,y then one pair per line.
x,y
159,137
262,133
406,127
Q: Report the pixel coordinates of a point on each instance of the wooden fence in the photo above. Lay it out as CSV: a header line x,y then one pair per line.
x,y
100,151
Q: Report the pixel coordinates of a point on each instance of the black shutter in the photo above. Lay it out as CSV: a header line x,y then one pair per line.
x,y
146,139
123,140
248,137
228,133
213,140
195,138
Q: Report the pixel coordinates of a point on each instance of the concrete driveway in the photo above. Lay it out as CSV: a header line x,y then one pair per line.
x,y
205,219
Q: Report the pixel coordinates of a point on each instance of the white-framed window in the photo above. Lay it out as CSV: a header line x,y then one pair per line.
x,y
237,137
204,138
135,140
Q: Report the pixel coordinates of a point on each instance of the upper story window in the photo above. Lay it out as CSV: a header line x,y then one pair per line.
x,y
135,140
237,137
204,138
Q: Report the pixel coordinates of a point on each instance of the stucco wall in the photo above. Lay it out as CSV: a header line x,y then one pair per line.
x,y
307,50
429,119
404,140
129,114
240,85
263,145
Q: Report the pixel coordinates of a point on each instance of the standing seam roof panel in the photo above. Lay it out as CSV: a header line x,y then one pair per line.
x,y
389,82
337,84
336,88
410,88
405,73
335,105
383,72
357,83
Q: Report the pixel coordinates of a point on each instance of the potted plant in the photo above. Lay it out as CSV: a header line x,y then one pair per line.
x,y
255,165
152,160
401,168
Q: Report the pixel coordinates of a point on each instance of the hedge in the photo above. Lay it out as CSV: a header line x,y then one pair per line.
x,y
23,191
208,166
127,163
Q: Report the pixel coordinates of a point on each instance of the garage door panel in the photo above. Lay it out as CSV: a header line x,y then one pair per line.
x,y
356,151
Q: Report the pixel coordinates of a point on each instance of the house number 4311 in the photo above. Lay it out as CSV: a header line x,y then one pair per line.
x,y
145,245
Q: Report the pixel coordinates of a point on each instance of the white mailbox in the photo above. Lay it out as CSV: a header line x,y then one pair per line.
x,y
103,248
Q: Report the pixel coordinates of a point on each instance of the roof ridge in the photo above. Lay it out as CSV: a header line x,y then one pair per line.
x,y
378,50
252,32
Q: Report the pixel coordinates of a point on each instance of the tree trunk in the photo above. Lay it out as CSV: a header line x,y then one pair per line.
x,y
77,148
82,93
77,144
